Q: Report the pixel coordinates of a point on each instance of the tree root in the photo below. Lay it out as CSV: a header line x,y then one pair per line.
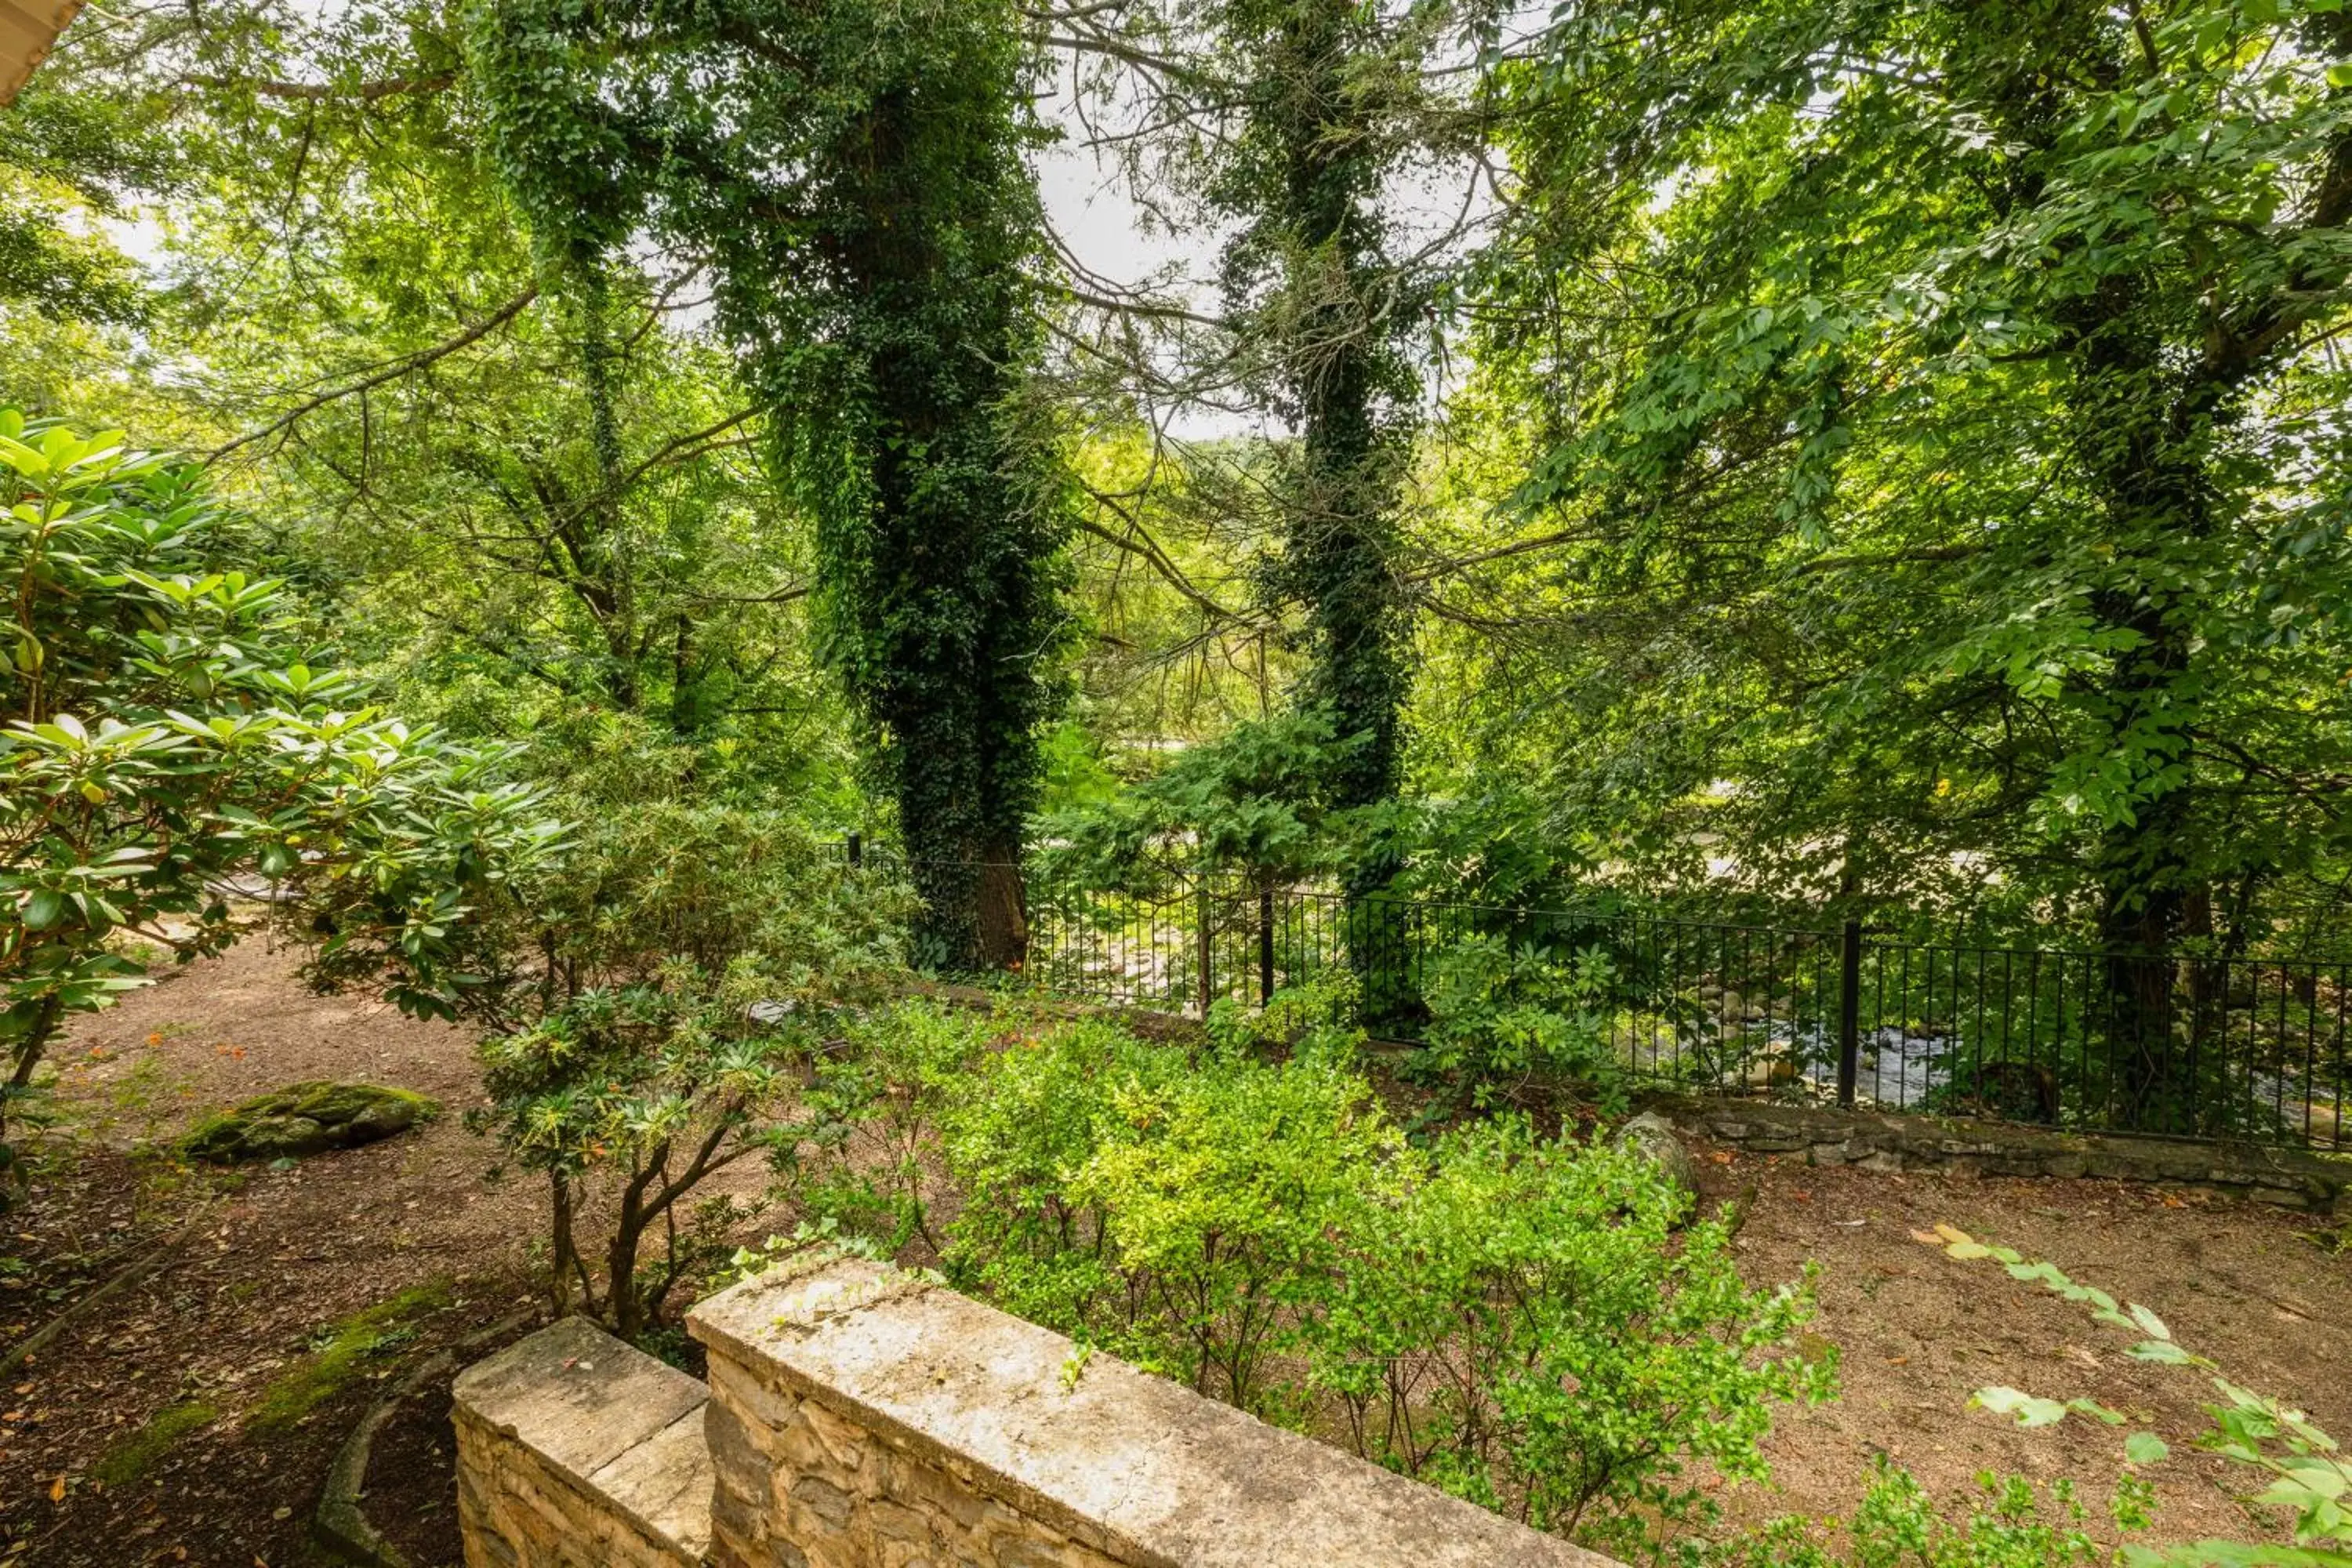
x,y
138,1269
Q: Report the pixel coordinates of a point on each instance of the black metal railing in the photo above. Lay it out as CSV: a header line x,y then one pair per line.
x,y
2172,1045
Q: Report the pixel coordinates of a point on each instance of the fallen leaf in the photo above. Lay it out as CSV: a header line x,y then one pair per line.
x,y
1721,1156
1802,1197
58,1489
1898,1361
1926,1238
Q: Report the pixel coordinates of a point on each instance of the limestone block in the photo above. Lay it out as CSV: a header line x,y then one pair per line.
x,y
572,1449
963,1416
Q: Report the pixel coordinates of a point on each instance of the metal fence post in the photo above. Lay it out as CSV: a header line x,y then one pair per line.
x,y
1265,948
1208,945
857,851
1849,1011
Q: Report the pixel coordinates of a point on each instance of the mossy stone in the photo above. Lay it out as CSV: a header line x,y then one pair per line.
x,y
307,1119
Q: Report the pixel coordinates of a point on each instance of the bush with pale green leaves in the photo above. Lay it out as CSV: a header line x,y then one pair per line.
x,y
1534,1325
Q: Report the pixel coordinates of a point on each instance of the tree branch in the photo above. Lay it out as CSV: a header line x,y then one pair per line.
x,y
405,365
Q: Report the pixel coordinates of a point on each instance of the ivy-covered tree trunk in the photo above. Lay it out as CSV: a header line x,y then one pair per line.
x,y
942,588
1325,309
853,172
1309,178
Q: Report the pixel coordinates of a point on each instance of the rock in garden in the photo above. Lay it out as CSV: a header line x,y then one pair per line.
x,y
307,1119
1653,1137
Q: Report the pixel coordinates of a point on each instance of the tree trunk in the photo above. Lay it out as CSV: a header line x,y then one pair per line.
x,y
625,1303
563,1250
1003,910
29,1052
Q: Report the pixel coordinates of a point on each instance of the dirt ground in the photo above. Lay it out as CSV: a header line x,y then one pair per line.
x,y
1917,1331
333,1276
260,1266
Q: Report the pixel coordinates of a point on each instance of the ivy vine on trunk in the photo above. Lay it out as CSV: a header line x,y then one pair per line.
x,y
853,175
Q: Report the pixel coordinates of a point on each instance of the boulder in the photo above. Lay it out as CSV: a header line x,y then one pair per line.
x,y
1653,1137
307,1119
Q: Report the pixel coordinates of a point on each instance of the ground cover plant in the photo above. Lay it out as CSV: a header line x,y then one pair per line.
x,y
2301,1467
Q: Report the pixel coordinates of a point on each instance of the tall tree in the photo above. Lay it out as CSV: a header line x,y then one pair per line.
x,y
1318,117
1943,387
852,173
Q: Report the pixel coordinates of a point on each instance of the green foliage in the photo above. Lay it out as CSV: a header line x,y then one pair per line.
x,y
1505,1020
1927,410
1259,800
46,265
162,738
647,994
1526,1330
1527,1324
1231,1193
1898,1525
853,175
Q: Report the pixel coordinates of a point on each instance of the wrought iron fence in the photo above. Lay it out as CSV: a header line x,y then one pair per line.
x,y
2172,1045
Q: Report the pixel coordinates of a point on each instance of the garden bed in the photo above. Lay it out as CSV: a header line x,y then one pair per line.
x,y
277,1258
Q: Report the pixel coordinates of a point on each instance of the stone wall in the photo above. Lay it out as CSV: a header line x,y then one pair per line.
x,y
576,1451
1823,1135
858,1417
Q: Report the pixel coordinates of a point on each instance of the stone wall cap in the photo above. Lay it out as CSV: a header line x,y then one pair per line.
x,y
622,1425
1157,1473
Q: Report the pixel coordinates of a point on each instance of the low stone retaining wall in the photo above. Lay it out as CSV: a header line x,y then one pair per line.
x,y
859,1418
1960,1146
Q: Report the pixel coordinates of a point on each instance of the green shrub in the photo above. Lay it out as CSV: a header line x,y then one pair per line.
x,y
1502,1018
649,989
868,1115
162,734
1523,1326
1233,1195
1526,1323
